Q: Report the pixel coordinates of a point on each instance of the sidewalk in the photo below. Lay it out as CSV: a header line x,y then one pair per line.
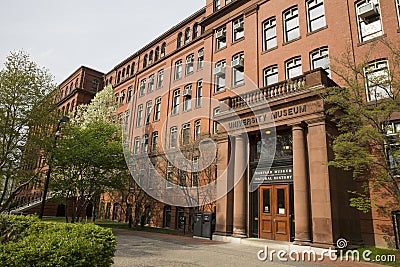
x,y
137,248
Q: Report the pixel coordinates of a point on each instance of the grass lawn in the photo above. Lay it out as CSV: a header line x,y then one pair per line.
x,y
379,255
120,225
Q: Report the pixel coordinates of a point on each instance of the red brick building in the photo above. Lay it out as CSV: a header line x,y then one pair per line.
x,y
232,48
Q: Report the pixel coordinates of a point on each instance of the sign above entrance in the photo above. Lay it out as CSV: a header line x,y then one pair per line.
x,y
273,175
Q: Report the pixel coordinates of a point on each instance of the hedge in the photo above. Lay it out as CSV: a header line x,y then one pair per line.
x,y
27,241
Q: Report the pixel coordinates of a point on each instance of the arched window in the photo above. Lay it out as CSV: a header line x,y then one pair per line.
x,y
123,73
133,68
195,30
157,53
128,70
119,77
145,61
76,84
187,35
111,78
151,57
163,49
179,40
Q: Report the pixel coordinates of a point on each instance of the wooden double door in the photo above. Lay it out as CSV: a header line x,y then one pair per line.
x,y
274,214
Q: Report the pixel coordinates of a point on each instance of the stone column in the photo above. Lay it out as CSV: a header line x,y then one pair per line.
x,y
301,187
240,189
224,205
320,191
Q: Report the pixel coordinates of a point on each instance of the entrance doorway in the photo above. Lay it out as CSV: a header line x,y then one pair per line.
x,y
274,214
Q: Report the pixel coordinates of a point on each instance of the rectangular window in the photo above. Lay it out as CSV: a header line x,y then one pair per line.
x,y
186,133
150,87
137,146
175,101
319,58
154,142
293,67
170,179
392,146
195,171
269,34
316,15
139,116
129,94
187,97
238,29
219,73
142,87
145,143
189,64
271,75
220,36
173,137
291,24
178,69
216,124
126,120
200,59
238,69
148,111
157,109
116,97
369,19
217,5
197,129
160,78
199,93
122,98
378,80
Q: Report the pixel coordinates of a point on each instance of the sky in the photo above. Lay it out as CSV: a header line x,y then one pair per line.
x,y
64,35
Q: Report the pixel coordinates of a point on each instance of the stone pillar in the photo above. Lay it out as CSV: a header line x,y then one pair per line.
x,y
321,208
240,189
224,205
301,187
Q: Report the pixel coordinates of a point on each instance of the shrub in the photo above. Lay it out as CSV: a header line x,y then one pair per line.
x,y
57,244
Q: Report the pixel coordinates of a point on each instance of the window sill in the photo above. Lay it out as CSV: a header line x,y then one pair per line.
x,y
269,50
372,40
292,41
238,85
219,92
237,41
216,51
316,31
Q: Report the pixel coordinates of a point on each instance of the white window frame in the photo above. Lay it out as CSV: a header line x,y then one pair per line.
x,y
149,105
217,87
173,137
371,30
379,70
291,64
154,141
221,43
160,78
312,6
157,109
187,100
139,117
200,59
185,131
319,55
199,93
150,84
190,64
236,81
269,25
271,71
237,34
136,149
197,129
145,143
216,111
142,87
289,15
175,101
178,69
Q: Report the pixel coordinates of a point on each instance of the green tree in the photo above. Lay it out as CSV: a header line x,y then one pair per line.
x,y
27,104
364,110
89,157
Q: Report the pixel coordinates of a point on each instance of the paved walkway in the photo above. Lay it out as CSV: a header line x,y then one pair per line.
x,y
153,249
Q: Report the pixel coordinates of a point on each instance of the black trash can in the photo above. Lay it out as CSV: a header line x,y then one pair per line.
x,y
208,224
198,221
396,226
